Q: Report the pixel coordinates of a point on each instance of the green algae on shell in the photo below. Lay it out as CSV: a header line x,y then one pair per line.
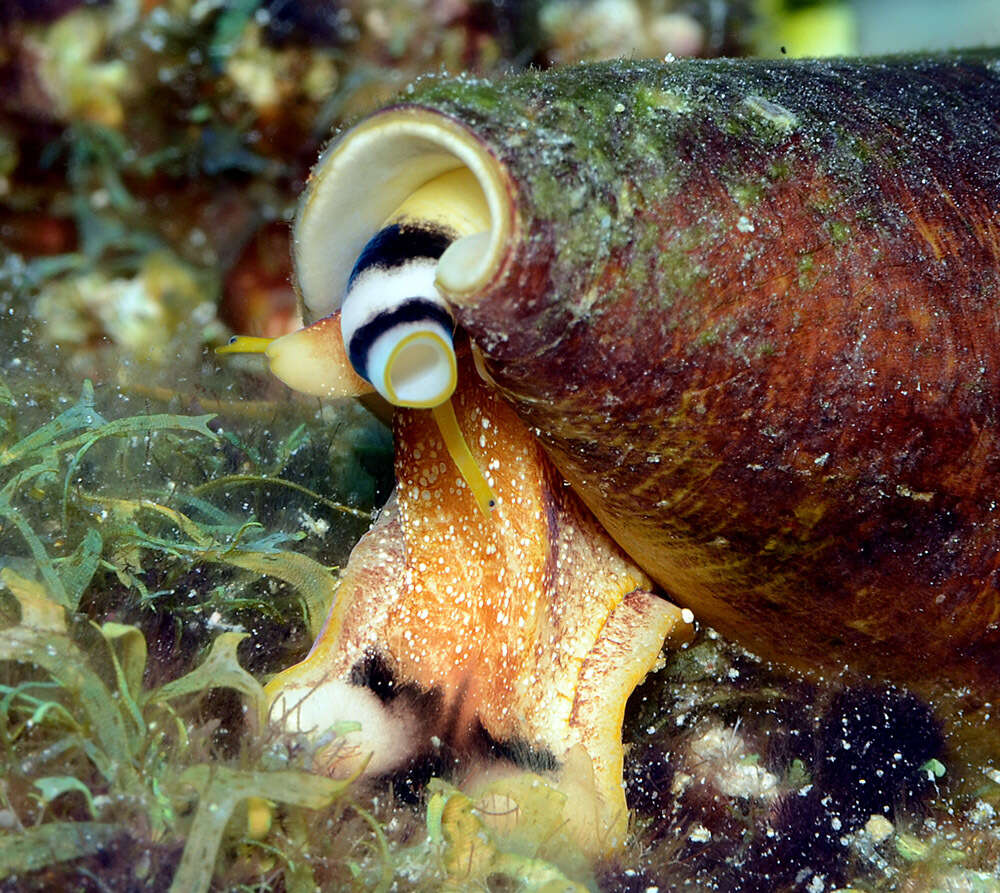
x,y
749,309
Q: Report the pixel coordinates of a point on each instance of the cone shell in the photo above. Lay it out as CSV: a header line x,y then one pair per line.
x,y
751,311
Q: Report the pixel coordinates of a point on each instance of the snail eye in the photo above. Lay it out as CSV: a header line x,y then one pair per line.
x,y
396,326
244,344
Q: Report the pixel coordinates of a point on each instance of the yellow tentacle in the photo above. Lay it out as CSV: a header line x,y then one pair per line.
x,y
461,455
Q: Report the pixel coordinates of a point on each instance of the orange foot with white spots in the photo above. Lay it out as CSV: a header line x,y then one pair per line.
x,y
530,625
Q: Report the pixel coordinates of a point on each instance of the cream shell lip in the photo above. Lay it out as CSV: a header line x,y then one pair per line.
x,y
366,175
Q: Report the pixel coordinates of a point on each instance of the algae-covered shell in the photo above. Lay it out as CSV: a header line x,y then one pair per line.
x,y
751,310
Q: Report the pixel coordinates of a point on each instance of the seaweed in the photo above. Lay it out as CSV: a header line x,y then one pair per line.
x,y
512,828
34,462
110,739
53,459
135,741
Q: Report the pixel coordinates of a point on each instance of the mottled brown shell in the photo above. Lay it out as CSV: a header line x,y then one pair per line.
x,y
751,310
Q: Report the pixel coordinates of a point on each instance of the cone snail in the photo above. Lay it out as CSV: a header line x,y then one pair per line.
x,y
750,310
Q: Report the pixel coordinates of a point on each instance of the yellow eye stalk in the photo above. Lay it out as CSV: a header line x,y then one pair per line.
x,y
395,329
245,344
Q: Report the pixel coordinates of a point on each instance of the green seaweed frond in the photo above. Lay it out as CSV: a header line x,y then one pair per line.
x,y
101,530
514,828
150,566
144,768
49,457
